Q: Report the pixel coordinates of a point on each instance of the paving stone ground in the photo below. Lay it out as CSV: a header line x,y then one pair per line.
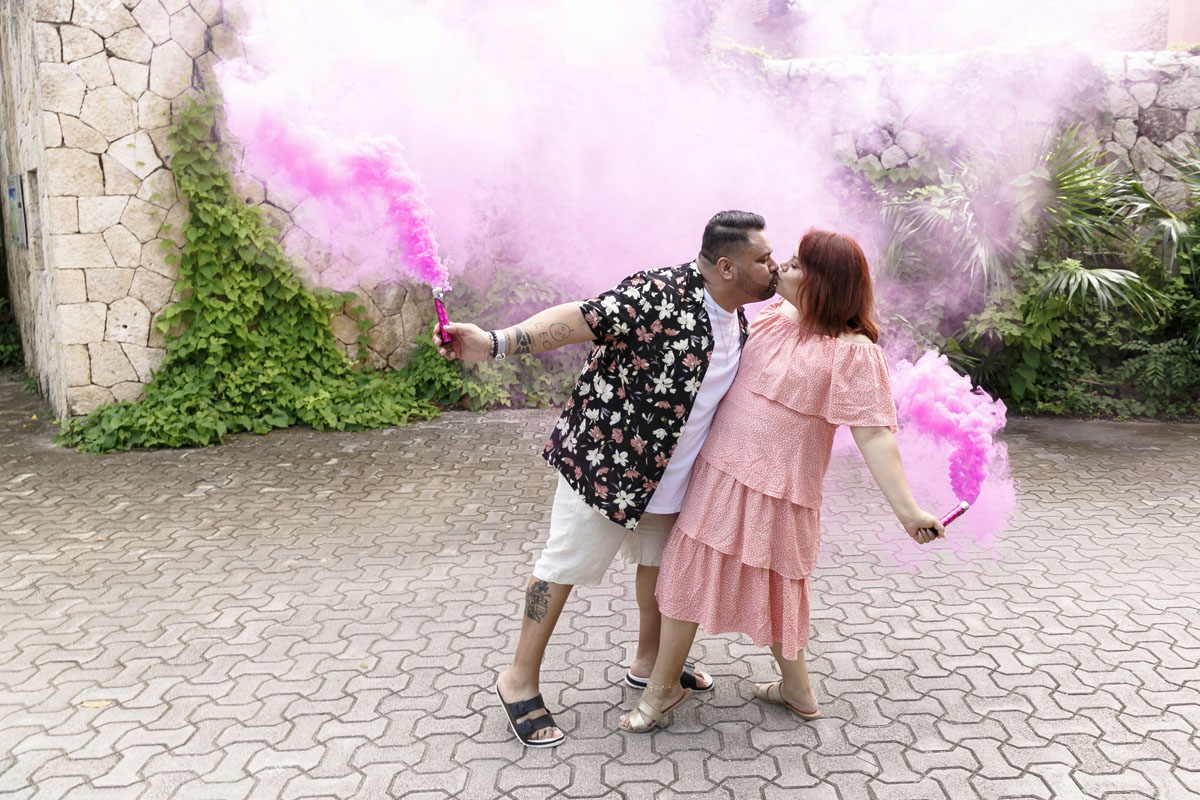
x,y
313,615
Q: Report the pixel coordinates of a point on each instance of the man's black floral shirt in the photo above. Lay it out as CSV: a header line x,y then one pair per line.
x,y
618,430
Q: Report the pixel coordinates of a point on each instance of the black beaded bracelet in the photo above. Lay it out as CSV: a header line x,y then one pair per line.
x,y
495,344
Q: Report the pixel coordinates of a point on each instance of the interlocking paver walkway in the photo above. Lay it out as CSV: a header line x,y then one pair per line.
x,y
321,615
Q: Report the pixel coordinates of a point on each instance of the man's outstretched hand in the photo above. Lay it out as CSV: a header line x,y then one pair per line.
x,y
467,342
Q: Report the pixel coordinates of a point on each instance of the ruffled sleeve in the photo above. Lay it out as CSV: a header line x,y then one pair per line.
x,y
860,391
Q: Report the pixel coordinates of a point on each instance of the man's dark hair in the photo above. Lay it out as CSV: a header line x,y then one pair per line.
x,y
727,233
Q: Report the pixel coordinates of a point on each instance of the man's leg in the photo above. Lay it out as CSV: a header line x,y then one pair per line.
x,y
663,689
544,603
653,531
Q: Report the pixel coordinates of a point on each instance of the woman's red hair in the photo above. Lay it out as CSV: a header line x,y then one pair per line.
x,y
835,286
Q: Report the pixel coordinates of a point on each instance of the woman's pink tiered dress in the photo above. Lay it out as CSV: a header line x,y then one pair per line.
x,y
746,540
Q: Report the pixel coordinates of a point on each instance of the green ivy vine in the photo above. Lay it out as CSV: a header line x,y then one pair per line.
x,y
248,346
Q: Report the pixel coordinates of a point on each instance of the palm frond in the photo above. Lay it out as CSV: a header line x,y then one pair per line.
x,y
1110,287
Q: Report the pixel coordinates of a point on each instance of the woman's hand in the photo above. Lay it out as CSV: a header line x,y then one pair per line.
x,y
923,527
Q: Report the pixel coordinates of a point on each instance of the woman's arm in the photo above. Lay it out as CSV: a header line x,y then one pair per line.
x,y
882,455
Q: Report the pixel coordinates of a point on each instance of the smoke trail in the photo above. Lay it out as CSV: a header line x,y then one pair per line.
x,y
361,195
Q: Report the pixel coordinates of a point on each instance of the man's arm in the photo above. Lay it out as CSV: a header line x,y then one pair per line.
x,y
544,331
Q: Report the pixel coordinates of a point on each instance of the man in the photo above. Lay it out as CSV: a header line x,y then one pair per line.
x,y
667,348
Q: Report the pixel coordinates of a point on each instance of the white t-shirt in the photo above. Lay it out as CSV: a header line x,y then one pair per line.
x,y
727,352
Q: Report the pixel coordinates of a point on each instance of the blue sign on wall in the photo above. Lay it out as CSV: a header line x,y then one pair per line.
x,y
16,211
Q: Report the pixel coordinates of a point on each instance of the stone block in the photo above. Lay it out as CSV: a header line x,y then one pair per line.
x,y
82,136
226,43
1161,125
62,90
388,335
1125,132
276,218
1182,94
52,10
249,188
79,43
145,360
209,10
1119,153
63,215
912,142
143,219
81,251
77,364
117,179
189,31
842,147
1144,93
128,322
172,7
1119,102
170,70
73,172
177,218
125,248
869,163
153,111
1145,155
130,76
130,391
69,286
160,137
136,153
81,323
110,111
401,356
344,329
1139,69
83,400
1183,144
893,157
153,289
154,19
131,45
206,68
154,257
51,130
98,214
159,188
1193,121
107,285
109,364
103,16
47,46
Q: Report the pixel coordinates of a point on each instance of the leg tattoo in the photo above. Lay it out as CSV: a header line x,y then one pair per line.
x,y
537,600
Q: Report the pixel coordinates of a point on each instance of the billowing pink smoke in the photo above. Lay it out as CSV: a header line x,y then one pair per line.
x,y
358,192
941,404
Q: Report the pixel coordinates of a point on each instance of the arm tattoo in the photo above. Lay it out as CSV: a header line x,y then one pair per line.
x,y
537,600
519,340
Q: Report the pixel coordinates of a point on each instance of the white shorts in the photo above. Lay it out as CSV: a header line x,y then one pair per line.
x,y
583,542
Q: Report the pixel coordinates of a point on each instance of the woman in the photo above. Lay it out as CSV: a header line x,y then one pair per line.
x,y
746,540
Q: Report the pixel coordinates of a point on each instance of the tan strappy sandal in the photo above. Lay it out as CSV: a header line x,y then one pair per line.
x,y
773,693
646,717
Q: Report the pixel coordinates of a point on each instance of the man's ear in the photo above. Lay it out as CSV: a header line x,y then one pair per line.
x,y
725,266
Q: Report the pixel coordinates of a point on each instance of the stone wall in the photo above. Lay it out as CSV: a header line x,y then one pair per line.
x,y
89,89
892,112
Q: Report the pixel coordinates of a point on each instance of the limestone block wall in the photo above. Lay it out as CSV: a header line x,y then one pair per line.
x,y
891,112
89,91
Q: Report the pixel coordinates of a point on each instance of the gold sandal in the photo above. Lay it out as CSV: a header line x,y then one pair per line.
x,y
773,693
646,717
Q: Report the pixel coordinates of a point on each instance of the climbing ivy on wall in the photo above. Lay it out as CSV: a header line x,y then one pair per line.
x,y
248,346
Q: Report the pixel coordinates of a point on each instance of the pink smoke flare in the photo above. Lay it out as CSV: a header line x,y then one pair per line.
x,y
942,404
